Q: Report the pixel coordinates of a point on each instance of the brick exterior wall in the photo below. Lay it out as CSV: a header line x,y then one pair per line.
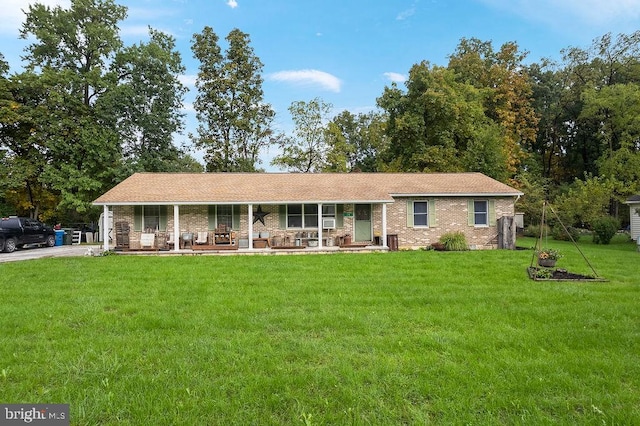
x,y
451,216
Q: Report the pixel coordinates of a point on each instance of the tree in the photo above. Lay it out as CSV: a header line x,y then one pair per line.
x,y
355,142
235,123
87,112
306,151
439,125
23,107
615,109
585,201
70,50
144,105
504,82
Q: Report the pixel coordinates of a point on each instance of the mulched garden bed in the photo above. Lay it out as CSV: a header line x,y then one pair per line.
x,y
540,274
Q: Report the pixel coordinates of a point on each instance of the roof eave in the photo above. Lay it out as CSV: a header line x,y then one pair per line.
x,y
205,203
470,194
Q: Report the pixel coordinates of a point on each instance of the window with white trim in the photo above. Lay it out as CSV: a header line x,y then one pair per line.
x,y
151,218
329,210
303,215
481,212
421,214
224,215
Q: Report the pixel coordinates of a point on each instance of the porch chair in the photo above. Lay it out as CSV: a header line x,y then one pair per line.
x,y
202,238
170,241
147,239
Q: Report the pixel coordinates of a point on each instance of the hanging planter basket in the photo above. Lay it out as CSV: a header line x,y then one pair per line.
x,y
547,263
547,257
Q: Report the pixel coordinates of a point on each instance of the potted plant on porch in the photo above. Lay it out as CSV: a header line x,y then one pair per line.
x,y
547,257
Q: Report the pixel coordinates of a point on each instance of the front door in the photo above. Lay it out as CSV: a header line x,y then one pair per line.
x,y
362,222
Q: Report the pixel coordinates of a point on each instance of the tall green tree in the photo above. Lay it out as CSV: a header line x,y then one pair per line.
x,y
25,156
234,122
145,101
306,151
502,78
70,49
87,111
355,142
439,125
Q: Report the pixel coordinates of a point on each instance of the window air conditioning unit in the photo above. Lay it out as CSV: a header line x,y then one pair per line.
x,y
328,223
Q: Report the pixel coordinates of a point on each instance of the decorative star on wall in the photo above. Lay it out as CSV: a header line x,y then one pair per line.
x,y
259,215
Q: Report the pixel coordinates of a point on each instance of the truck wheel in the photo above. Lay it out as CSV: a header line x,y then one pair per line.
x,y
9,245
51,241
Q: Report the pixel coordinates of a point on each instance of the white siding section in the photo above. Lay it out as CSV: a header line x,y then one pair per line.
x,y
635,221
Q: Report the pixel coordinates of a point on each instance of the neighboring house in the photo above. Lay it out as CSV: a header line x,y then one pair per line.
x,y
411,210
634,216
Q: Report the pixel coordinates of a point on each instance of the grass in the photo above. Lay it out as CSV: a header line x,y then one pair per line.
x,y
406,337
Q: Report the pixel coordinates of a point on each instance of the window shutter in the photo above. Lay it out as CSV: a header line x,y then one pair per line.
x,y
492,212
470,213
409,214
137,218
162,219
283,216
432,213
235,218
340,216
211,214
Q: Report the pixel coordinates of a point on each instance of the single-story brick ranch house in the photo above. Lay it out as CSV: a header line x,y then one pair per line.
x,y
315,211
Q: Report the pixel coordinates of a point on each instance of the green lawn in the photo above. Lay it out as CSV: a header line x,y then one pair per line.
x,y
381,338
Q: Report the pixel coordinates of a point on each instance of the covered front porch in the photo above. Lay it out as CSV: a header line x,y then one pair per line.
x,y
244,228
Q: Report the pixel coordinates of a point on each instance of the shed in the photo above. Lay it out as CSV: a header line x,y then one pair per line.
x,y
634,216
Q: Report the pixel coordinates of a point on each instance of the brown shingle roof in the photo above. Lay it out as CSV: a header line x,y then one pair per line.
x,y
237,188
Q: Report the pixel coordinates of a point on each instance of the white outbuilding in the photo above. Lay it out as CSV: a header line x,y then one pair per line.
x,y
634,215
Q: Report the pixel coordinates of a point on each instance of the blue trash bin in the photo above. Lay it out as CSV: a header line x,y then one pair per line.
x,y
59,237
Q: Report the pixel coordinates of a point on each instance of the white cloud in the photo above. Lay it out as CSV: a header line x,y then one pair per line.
x,y
313,78
395,77
188,108
134,30
561,12
232,4
406,14
12,14
189,80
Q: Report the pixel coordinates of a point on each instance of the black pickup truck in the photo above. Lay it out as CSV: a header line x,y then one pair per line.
x,y
19,231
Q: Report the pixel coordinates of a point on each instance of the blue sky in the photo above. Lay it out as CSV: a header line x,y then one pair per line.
x,y
346,51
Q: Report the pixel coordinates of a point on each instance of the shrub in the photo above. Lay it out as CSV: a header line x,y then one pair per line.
x,y
454,241
558,233
534,231
604,228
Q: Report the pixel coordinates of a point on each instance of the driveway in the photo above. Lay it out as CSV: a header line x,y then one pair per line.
x,y
28,253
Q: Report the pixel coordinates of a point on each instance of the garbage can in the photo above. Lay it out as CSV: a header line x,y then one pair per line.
x,y
638,243
68,236
59,237
392,242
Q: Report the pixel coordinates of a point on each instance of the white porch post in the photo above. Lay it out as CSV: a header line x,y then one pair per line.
x,y
105,227
319,225
384,225
176,227
250,226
